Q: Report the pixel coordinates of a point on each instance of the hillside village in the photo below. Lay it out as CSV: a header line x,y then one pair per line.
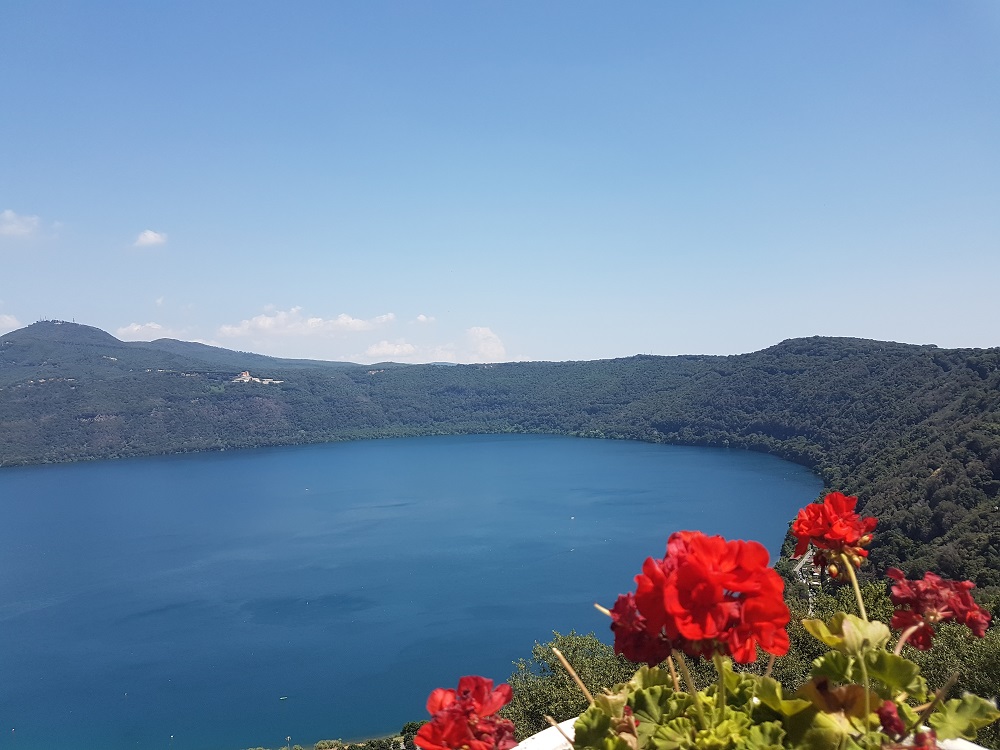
x,y
246,377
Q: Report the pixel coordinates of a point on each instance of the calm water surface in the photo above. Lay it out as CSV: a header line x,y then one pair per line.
x,y
172,602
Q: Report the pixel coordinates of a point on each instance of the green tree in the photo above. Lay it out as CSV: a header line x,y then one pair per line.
x,y
408,732
543,687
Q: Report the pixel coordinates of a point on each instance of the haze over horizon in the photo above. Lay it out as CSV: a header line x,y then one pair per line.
x,y
472,182
237,352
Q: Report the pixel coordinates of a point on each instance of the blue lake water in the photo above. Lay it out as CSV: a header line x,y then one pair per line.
x,y
172,602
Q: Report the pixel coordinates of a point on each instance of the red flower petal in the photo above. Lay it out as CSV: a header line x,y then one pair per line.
x,y
439,699
706,595
931,600
832,525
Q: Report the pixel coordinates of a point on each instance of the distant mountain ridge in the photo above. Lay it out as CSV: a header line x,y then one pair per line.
x,y
913,430
37,340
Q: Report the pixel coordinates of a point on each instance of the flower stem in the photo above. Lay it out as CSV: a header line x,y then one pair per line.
x,y
692,690
720,696
552,722
574,675
854,583
673,674
904,637
868,694
770,665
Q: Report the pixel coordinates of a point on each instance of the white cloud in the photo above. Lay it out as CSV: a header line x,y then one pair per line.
x,y
15,225
148,238
425,318
294,323
384,349
484,345
9,323
141,332
478,344
159,301
402,350
291,332
441,353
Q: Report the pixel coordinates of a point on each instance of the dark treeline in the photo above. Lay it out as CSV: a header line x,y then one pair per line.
x,y
914,431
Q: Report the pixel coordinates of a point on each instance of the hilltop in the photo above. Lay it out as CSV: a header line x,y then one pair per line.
x,y
914,431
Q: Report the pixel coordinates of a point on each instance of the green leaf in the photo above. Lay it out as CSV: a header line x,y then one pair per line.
x,y
961,717
907,713
612,704
765,736
769,692
646,677
741,688
819,630
892,674
861,636
592,728
655,706
675,734
837,666
651,705
729,733
899,675
815,730
848,633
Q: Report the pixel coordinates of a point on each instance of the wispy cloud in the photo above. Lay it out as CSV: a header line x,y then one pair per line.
x,y
291,332
391,349
142,332
477,344
293,323
9,323
148,238
16,225
483,345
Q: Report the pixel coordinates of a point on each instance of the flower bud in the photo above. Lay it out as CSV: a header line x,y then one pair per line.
x,y
865,540
833,570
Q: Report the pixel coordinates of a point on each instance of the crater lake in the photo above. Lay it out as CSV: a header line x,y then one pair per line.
x,y
230,600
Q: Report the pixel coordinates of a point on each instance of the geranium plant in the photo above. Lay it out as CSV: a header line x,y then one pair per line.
x,y
719,600
466,718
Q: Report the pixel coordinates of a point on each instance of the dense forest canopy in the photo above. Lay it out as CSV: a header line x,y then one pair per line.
x,y
914,431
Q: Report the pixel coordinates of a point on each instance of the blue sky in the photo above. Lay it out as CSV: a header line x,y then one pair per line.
x,y
486,181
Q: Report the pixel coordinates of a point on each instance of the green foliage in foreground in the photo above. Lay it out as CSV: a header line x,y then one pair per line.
x,y
541,686
751,712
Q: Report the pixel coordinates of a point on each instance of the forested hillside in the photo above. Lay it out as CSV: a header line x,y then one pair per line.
x,y
913,430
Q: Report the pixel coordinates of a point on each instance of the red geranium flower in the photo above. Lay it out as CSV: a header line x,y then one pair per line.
x,y
706,596
833,527
635,639
924,603
463,718
888,716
